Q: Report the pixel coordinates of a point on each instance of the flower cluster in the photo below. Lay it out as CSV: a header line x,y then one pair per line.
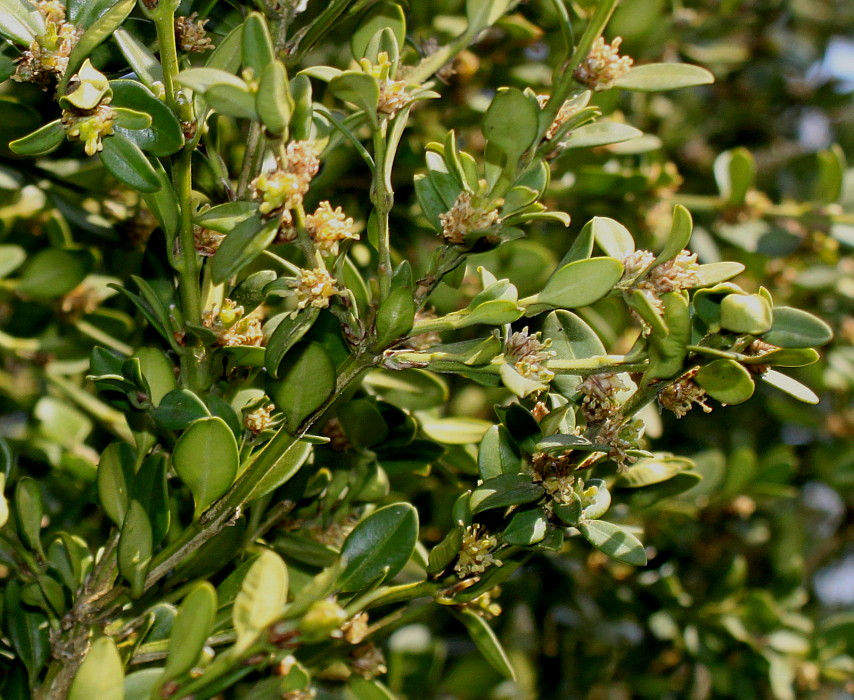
x,y
484,605
260,419
621,436
555,474
314,288
190,34
328,227
393,93
681,395
682,272
466,215
600,400
47,55
368,661
281,190
356,628
476,552
232,327
603,65
89,126
530,354
567,110
424,341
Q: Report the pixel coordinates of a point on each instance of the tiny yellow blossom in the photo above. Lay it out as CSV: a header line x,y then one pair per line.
x,y
476,552
328,227
314,288
89,126
464,217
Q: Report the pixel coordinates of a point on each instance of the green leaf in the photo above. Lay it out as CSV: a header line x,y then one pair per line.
x,y
273,100
304,385
379,546
159,372
359,89
572,339
653,470
149,487
726,381
363,423
482,13
97,32
164,136
505,490
602,133
526,527
224,217
126,162
831,174
790,386
29,511
178,409
381,16
115,476
735,173
746,313
136,545
139,58
203,79
365,689
54,272
394,317
40,142
486,642
579,283
654,77
101,675
445,552
20,21
233,100
454,431
241,246
284,468
680,235
261,599
11,258
288,333
257,44
713,273
511,124
498,454
190,631
615,541
28,630
415,389
206,459
612,237
794,328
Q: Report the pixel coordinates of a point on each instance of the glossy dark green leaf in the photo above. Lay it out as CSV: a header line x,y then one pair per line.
x,y
379,546
257,44
505,490
27,630
526,527
415,389
149,488
273,101
127,163
288,333
794,328
306,380
486,642
283,469
250,292
394,317
42,141
115,477
54,272
164,136
726,380
498,454
101,675
615,541
261,599
654,77
368,689
363,423
241,246
521,425
135,548
572,339
232,100
206,459
178,409
446,551
192,626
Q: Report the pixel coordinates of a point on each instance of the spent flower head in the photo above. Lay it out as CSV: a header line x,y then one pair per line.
x,y
680,396
530,355
232,327
190,34
603,65
621,435
47,55
601,400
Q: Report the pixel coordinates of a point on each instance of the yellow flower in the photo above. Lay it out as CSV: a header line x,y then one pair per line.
x,y
89,126
328,227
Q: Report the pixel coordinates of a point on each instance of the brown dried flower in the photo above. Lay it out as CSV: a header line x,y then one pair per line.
x,y
190,34
603,65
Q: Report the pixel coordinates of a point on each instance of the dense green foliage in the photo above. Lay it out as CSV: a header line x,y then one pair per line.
x,y
440,445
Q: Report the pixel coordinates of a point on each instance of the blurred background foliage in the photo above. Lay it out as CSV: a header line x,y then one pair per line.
x,y
751,577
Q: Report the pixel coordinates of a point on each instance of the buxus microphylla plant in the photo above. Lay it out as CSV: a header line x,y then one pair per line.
x,y
271,368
